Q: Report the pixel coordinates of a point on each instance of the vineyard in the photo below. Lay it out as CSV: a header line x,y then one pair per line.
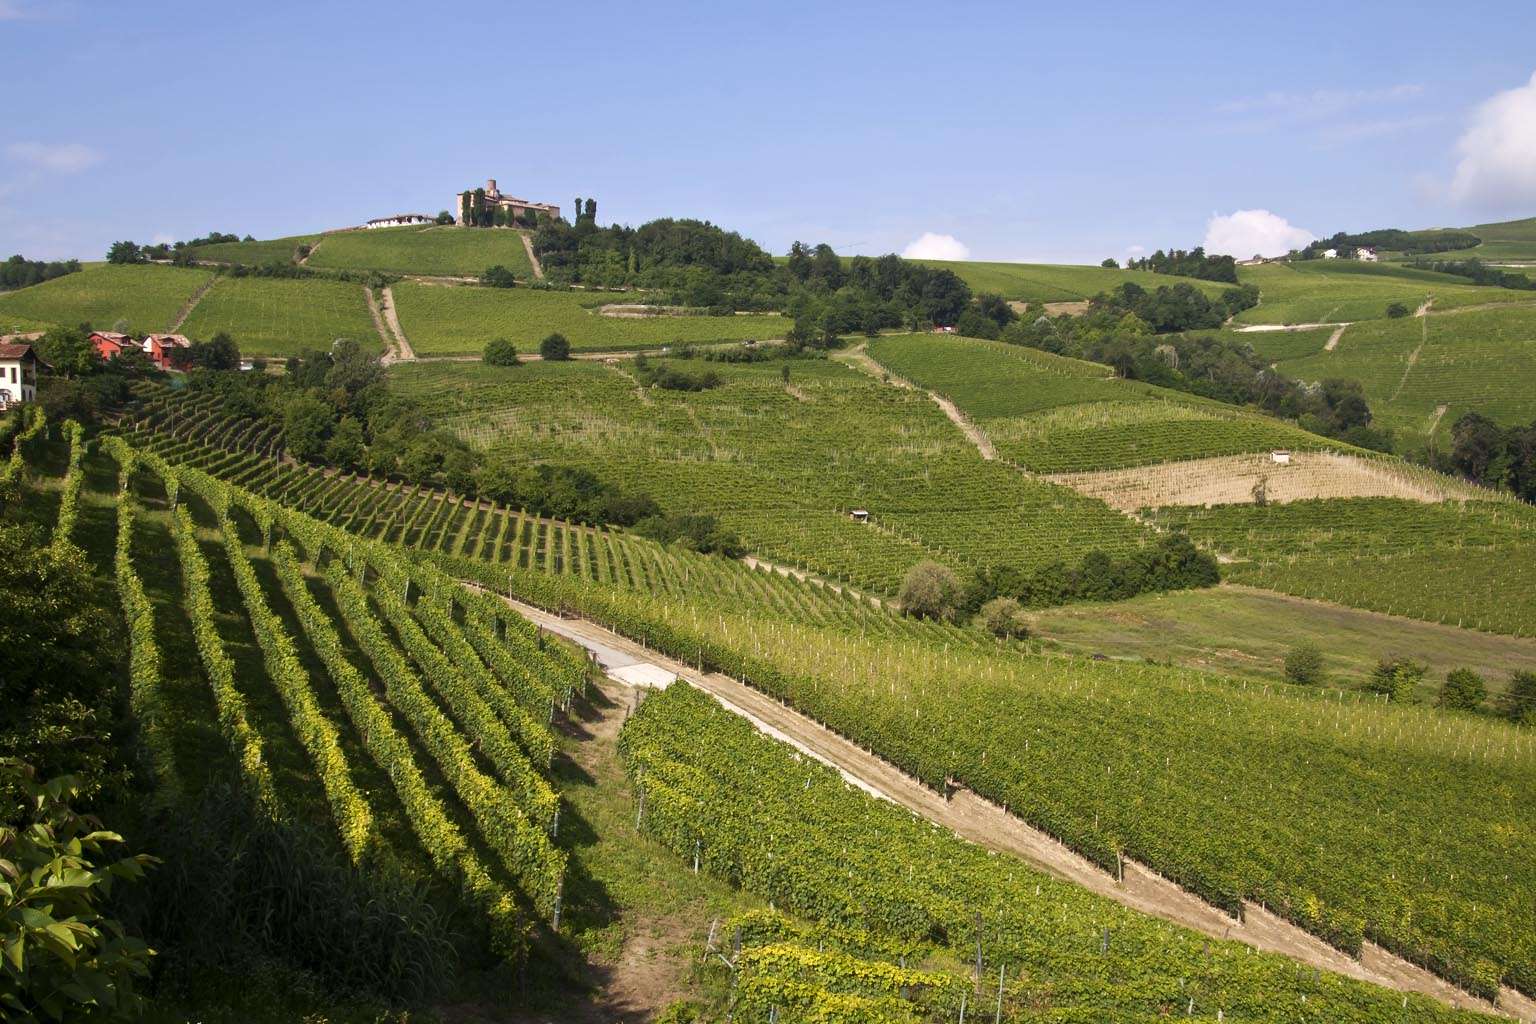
x,y
459,321
280,317
1331,291
254,253
429,251
147,298
1045,282
1384,554
882,886
1050,415
448,726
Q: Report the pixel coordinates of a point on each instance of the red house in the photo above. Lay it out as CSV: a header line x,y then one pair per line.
x,y
161,348
110,343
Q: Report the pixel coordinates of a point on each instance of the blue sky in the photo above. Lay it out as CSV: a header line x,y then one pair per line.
x,y
1062,132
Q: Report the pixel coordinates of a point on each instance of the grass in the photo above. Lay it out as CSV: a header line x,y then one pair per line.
x,y
1513,240
441,251
1278,345
19,324
280,317
1044,413
459,321
1046,282
273,250
781,465
147,298
1240,631
1328,291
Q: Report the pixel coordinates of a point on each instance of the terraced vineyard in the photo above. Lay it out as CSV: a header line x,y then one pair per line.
x,y
1325,291
146,297
1470,564
457,731
440,251
459,321
881,885
1056,415
279,317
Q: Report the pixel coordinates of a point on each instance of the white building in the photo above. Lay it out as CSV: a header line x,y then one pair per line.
x,y
18,374
1330,254
1366,254
400,220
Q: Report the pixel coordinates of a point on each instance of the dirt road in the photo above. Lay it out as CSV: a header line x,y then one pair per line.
x,y
989,825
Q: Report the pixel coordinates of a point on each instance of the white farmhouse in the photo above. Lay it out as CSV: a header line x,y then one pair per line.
x,y
399,220
1366,254
18,374
1330,254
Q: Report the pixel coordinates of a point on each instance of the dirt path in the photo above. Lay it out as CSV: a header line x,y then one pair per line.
x,y
860,358
1413,357
1423,309
533,261
390,352
992,826
304,260
403,350
191,304
1270,328
1333,339
1434,421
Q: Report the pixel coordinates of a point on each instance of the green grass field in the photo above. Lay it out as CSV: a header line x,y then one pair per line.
x,y
459,321
1047,282
148,298
441,251
1467,564
1328,291
781,465
280,317
1046,414
272,250
1476,360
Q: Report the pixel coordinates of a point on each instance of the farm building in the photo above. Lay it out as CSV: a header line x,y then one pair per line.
x,y
1366,253
18,373
159,348
859,515
1330,254
473,205
109,343
399,220
1280,457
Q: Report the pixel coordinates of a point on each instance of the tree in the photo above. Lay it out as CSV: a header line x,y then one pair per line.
x,y
1519,701
930,591
497,277
1396,677
499,352
346,447
125,252
69,351
307,425
1111,264
444,217
1464,690
220,353
1004,617
64,959
1397,311
1304,664
555,347
591,211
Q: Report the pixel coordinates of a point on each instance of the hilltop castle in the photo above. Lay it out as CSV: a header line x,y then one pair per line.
x,y
483,207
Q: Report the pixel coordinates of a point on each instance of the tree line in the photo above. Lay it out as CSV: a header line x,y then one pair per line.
x,y
1495,456
20,272
1191,263
1479,272
1392,239
1397,678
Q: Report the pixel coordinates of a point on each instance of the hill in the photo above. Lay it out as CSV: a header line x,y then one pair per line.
x,y
1049,282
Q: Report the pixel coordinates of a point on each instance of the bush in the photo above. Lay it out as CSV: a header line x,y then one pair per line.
x,y
497,277
555,347
1396,678
1519,702
930,591
499,352
1004,617
1464,690
1397,311
1304,664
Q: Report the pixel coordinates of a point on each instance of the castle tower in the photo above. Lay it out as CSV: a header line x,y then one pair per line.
x,y
490,189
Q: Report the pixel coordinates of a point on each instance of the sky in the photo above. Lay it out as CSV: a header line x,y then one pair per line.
x,y
1018,131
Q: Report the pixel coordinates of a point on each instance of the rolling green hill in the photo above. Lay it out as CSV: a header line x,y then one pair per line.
x,y
278,250
282,317
1331,291
1049,282
147,298
1511,240
442,251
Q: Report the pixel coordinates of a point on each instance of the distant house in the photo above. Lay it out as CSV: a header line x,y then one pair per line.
x,y
1366,253
1280,457
859,515
400,220
18,373
110,344
1330,254
161,348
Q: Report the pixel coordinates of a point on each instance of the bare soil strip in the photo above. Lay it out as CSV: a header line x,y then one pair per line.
x,y
1333,339
991,826
305,258
191,304
404,352
533,261
391,353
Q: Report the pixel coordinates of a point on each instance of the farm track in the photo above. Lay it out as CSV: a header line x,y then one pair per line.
x,y
1413,357
993,827
304,260
191,304
403,350
860,358
533,261
1333,339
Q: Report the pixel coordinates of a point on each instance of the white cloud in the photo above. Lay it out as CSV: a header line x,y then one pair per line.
x,y
1245,233
936,247
1498,152
63,158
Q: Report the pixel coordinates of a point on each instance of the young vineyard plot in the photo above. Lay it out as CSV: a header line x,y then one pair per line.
x,y
445,251
1046,282
147,298
280,317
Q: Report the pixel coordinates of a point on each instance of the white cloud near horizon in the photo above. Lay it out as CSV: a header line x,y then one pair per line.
x,y
931,246
1498,151
1245,233
61,158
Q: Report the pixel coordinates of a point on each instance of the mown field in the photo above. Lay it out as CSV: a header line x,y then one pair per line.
x,y
280,317
1469,564
459,321
145,298
1056,415
272,250
1474,360
441,251
1048,282
1329,291
781,464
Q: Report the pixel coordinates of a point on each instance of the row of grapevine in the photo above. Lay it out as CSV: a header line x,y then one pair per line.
x,y
35,421
69,497
791,831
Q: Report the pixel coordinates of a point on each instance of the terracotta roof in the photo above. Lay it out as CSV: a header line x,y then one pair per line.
x,y
16,352
168,340
111,336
